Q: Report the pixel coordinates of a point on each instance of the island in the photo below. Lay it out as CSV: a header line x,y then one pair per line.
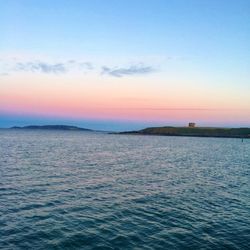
x,y
193,131
54,127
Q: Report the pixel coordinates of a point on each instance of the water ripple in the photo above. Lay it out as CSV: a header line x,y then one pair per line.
x,y
76,190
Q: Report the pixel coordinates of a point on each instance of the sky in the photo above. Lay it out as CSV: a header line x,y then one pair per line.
x,y
121,65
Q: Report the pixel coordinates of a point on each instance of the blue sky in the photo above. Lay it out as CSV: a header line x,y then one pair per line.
x,y
125,27
204,42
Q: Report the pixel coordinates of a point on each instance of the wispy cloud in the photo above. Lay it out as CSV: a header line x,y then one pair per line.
x,y
41,67
127,71
69,66
36,66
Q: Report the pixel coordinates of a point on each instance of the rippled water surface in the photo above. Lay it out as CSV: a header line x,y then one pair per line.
x,y
77,190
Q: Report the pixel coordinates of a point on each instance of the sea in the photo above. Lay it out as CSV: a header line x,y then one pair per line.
x,y
82,190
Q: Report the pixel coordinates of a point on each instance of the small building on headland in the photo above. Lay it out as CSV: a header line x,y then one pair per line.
x,y
191,125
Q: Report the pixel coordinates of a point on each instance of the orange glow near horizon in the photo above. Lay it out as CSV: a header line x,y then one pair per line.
x,y
53,96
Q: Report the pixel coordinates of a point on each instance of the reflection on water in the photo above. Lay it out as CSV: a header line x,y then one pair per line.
x,y
77,190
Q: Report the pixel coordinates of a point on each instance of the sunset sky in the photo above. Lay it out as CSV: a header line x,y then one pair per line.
x,y
118,65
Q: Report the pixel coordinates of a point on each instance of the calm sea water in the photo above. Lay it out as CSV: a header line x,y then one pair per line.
x,y
77,190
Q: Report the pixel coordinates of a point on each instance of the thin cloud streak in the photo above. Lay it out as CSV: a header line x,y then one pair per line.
x,y
41,67
131,70
178,109
37,66
167,109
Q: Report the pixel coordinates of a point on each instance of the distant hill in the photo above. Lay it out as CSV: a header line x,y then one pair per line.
x,y
197,131
53,127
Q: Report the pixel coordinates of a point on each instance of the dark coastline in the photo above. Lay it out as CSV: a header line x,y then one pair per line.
x,y
243,133
53,127
194,132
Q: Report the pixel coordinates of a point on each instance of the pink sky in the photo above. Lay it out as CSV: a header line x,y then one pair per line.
x,y
121,99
